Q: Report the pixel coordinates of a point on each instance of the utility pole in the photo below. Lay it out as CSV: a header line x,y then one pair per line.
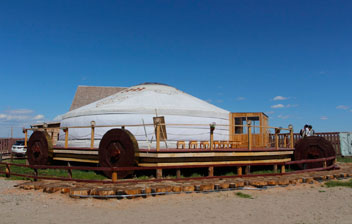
x,y
11,132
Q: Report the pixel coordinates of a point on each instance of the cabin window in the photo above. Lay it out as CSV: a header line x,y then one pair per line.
x,y
243,121
240,121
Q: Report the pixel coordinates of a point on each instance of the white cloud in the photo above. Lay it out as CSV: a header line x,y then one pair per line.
x,y
240,98
291,105
278,106
342,107
280,98
38,117
323,118
283,116
270,112
20,115
21,111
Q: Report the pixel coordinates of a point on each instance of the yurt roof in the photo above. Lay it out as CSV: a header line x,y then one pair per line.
x,y
89,94
150,98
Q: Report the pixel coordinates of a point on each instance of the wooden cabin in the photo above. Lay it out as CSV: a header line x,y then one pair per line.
x,y
239,132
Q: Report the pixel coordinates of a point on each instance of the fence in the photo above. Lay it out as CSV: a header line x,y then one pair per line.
x,y
332,137
6,144
5,168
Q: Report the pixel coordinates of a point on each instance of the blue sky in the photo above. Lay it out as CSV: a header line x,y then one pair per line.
x,y
289,59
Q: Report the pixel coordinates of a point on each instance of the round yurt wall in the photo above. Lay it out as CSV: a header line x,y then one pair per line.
x,y
138,105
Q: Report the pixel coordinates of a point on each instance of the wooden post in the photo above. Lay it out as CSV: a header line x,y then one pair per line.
x,y
248,170
157,138
212,128
114,177
35,174
283,168
159,173
239,170
285,141
92,123
210,171
249,136
275,168
66,137
324,165
276,138
178,173
69,171
8,170
291,136
25,137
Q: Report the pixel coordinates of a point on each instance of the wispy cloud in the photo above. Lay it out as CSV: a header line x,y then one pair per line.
x,y
283,116
342,107
277,106
38,117
323,118
280,98
20,111
240,98
270,112
20,115
291,105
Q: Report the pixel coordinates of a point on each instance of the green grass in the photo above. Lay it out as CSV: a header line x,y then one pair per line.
x,y
76,174
339,184
344,159
243,195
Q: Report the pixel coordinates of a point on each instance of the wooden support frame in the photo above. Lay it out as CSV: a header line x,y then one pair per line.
x,y
211,171
157,137
239,170
92,134
114,177
249,136
66,137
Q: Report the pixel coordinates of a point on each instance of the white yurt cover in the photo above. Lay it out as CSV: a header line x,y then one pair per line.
x,y
138,105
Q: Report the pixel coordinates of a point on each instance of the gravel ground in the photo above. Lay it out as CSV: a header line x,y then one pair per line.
x,y
295,204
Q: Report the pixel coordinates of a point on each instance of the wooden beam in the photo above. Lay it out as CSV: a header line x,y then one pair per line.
x,y
157,138
178,173
249,135
211,171
92,137
114,177
248,169
66,137
283,169
161,164
239,170
159,173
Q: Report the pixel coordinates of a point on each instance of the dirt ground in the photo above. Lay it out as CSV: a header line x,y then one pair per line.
x,y
305,203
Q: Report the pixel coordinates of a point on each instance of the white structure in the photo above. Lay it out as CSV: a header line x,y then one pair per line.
x,y
138,105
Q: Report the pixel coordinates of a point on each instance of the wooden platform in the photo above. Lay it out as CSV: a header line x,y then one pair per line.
x,y
179,157
175,157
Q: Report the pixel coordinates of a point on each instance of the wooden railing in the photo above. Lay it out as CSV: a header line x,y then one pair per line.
x,y
286,143
332,137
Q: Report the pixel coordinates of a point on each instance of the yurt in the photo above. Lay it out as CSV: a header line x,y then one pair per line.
x,y
186,117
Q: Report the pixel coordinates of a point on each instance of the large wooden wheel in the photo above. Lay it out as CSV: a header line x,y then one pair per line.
x,y
116,149
39,148
313,147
